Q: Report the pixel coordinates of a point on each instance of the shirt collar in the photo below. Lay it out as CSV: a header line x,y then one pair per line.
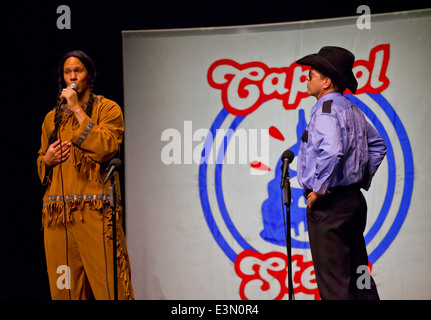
x,y
326,97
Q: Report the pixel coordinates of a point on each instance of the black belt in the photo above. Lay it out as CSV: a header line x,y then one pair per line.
x,y
337,189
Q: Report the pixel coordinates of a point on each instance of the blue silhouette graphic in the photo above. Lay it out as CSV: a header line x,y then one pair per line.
x,y
273,223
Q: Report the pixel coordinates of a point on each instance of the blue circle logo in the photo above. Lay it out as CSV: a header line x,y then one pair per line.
x,y
273,231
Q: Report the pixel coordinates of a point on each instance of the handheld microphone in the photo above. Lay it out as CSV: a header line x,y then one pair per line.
x,y
114,165
72,86
286,158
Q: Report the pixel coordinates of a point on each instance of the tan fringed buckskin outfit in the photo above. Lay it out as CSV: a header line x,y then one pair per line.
x,y
94,143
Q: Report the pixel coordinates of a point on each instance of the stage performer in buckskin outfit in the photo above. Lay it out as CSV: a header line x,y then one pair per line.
x,y
78,140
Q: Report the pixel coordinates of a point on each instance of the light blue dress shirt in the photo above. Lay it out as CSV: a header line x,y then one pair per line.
x,y
341,147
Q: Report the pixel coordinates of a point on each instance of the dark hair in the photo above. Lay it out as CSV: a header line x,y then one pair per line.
x,y
337,87
92,72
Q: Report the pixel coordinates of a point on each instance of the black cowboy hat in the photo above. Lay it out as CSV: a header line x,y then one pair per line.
x,y
335,63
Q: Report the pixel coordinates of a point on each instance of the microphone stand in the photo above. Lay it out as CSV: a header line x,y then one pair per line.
x,y
113,205
287,202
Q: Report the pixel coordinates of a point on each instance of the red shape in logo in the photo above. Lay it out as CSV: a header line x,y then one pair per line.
x,y
275,133
268,273
259,166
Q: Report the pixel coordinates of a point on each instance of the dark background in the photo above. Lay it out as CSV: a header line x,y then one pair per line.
x,y
31,46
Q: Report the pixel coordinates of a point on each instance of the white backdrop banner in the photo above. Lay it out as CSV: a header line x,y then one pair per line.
x,y
208,114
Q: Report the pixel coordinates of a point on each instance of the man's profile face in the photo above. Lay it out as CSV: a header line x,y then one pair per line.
x,y
315,84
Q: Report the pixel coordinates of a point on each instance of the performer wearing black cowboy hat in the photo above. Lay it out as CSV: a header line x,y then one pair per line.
x,y
339,154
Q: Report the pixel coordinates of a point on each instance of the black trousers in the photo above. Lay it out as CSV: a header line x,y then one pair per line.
x,y
336,224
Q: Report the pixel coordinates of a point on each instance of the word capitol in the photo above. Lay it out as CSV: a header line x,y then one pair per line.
x,y
244,87
245,146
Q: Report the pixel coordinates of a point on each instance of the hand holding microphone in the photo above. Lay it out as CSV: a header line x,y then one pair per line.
x,y
69,95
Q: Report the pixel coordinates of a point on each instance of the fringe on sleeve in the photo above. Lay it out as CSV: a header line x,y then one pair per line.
x,y
86,166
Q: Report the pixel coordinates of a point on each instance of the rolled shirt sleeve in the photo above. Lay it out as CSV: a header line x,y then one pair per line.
x,y
376,152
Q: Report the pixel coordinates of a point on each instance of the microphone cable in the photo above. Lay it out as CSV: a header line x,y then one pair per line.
x,y
64,204
286,230
287,236
63,100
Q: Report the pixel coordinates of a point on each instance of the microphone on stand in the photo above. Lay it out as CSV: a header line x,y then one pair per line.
x,y
286,158
114,165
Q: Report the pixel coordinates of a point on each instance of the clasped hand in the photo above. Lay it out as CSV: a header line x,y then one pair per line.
x,y
57,152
